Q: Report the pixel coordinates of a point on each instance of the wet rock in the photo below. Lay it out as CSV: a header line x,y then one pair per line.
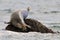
x,y
35,27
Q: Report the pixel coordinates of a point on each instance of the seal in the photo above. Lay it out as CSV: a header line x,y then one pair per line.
x,y
18,17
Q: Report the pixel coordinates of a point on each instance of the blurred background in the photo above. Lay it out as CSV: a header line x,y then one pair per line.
x,y
45,11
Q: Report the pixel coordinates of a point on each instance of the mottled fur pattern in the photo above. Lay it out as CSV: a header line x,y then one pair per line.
x,y
35,27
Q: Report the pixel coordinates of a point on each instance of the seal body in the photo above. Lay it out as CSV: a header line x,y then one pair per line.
x,y
17,19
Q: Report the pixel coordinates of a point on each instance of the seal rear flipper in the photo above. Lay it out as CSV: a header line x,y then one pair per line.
x,y
7,22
